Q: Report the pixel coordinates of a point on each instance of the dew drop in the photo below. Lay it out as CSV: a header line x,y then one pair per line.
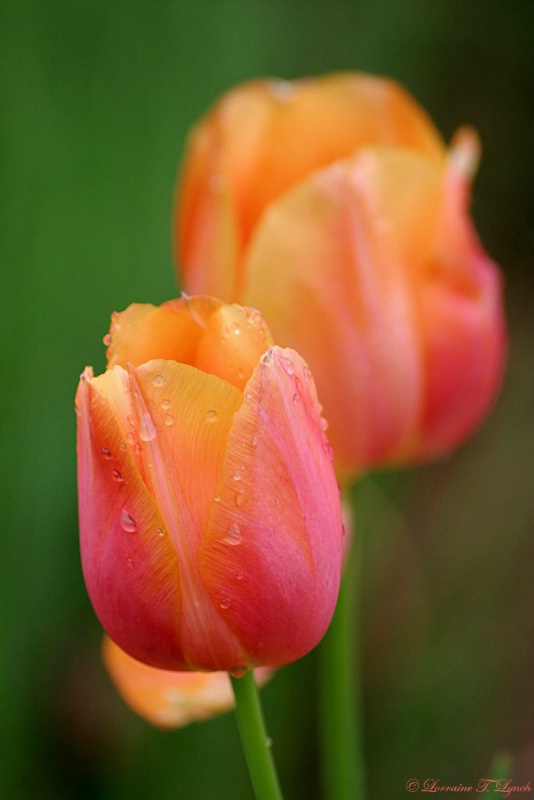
x,y
253,440
237,475
217,499
138,449
236,328
327,447
234,534
124,446
158,380
295,399
239,671
239,576
107,339
323,423
165,404
211,415
307,373
240,498
160,532
116,475
130,563
147,431
287,365
267,358
224,604
169,420
106,452
127,522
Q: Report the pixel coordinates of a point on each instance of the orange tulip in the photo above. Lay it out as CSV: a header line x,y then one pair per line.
x,y
333,206
170,699
209,510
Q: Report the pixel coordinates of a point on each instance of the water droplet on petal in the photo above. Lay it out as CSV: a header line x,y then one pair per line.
x,y
217,499
106,452
295,399
236,328
239,576
224,604
240,498
237,475
239,671
234,534
254,440
147,431
107,339
158,380
116,475
124,446
288,365
267,358
165,404
211,415
160,532
169,420
127,522
130,563
307,373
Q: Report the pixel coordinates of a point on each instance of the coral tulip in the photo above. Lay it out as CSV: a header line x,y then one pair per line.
x,y
170,699
209,510
334,207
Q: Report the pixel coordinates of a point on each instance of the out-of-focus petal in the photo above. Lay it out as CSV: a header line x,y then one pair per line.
x,y
170,699
267,516
343,297
166,698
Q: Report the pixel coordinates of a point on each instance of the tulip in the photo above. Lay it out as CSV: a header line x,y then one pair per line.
x,y
209,510
334,207
170,699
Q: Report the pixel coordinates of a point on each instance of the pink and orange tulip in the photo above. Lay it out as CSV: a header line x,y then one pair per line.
x,y
334,207
170,699
209,510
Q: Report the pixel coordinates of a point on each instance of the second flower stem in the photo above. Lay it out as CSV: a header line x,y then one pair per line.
x,y
340,693
254,738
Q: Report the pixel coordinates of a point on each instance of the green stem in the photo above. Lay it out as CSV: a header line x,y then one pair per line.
x,y
340,700
254,738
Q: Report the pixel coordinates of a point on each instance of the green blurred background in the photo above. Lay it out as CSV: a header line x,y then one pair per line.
x,y
97,96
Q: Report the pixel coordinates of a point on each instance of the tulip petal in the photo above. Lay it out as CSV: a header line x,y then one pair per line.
x,y
170,699
177,421
271,553
344,297
171,331
130,571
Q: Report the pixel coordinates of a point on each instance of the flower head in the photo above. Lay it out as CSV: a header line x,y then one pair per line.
x,y
333,206
209,511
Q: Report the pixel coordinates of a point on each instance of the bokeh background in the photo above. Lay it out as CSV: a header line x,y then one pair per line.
x,y
96,100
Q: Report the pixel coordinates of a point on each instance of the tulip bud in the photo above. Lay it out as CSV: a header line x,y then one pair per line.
x,y
209,510
170,699
333,206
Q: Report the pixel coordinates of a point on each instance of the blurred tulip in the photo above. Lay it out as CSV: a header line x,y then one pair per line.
x,y
170,699
209,510
333,206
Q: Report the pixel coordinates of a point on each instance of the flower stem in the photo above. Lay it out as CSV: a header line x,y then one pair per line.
x,y
339,693
254,738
